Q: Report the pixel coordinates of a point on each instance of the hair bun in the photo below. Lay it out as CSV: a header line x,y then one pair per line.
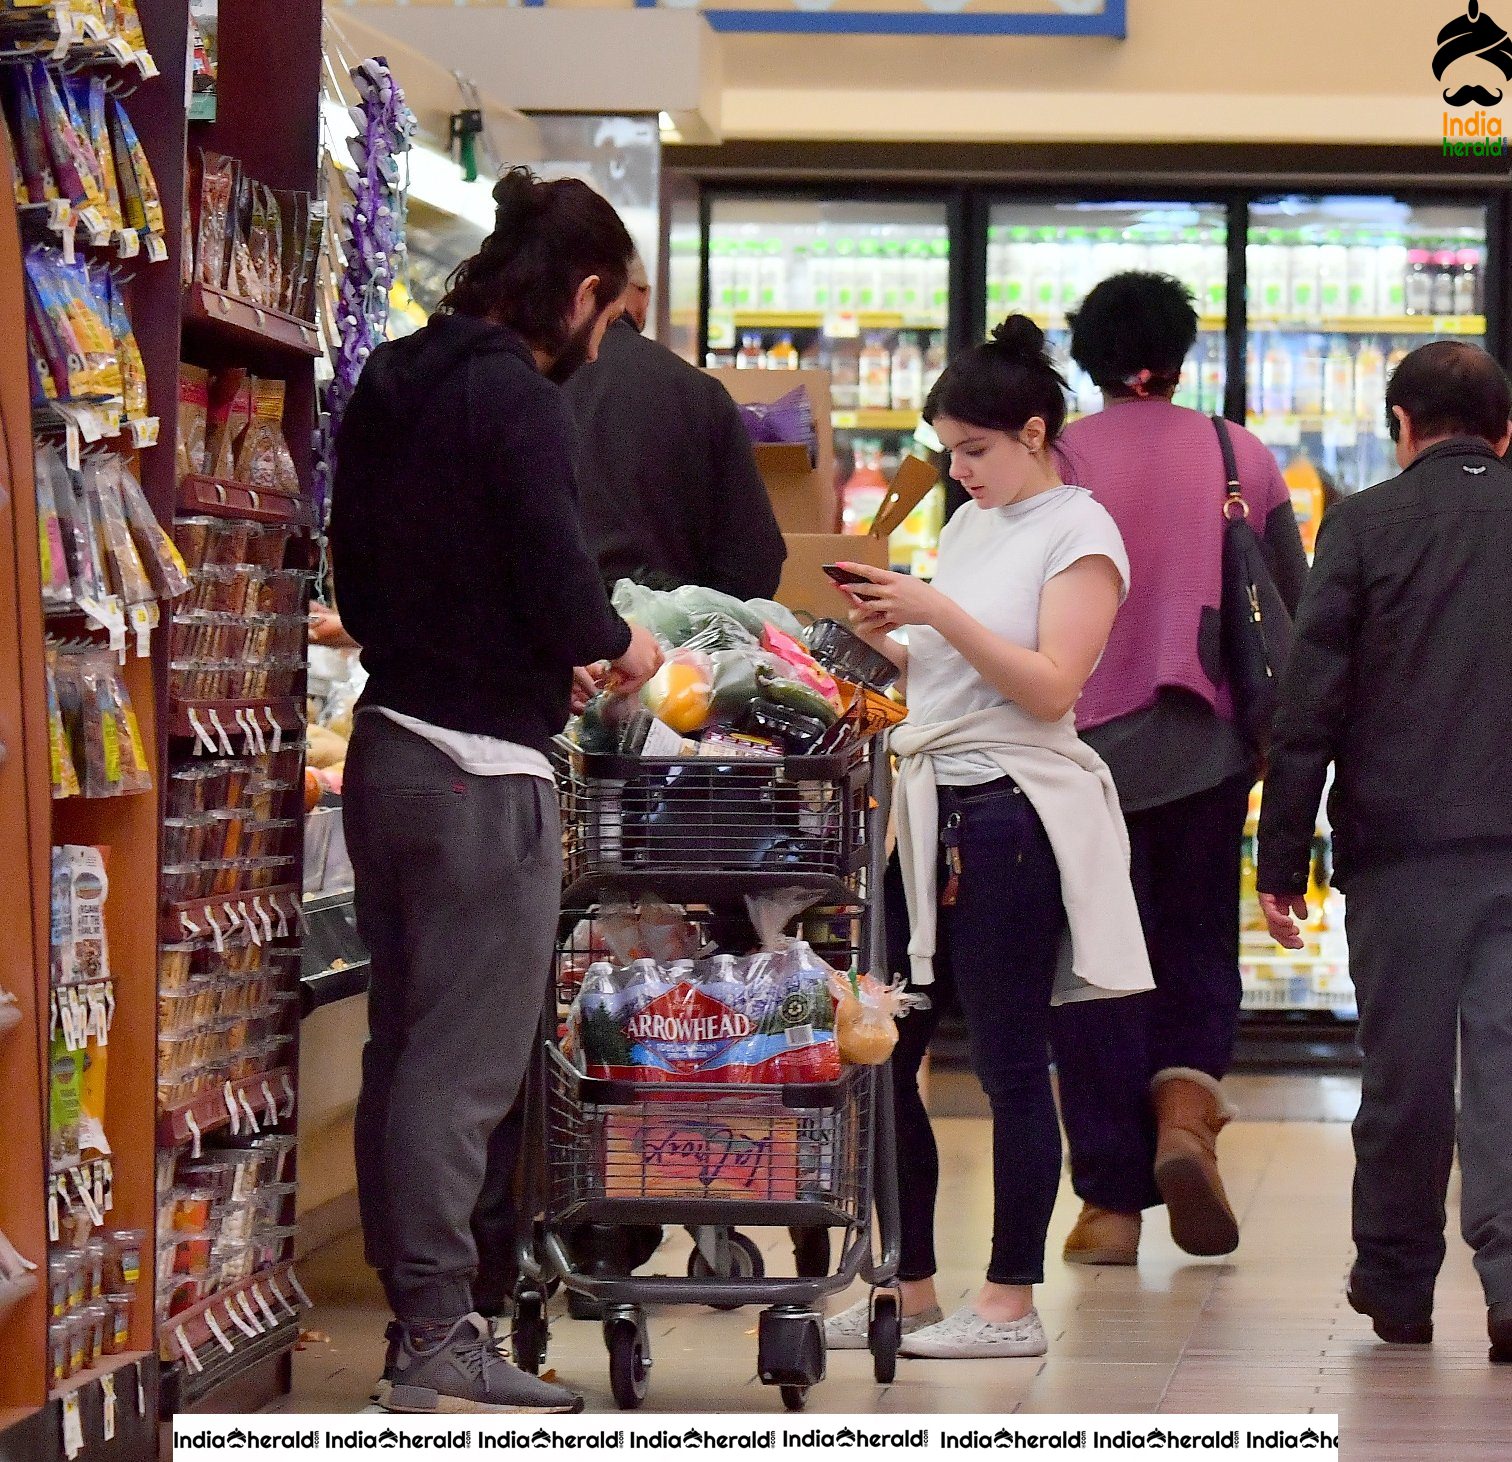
x,y
1019,338
519,195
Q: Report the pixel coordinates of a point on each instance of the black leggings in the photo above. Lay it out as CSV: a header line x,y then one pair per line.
x,y
997,953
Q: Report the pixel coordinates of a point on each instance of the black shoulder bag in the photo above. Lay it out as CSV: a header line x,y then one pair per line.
x,y
1256,628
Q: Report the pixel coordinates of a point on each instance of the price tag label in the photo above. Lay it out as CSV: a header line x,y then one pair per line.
x,y
73,1427
73,449
118,48
146,65
144,432
721,332
842,325
128,244
141,625
219,1334
108,1397
157,249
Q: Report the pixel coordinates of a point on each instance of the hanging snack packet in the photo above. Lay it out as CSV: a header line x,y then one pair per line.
x,y
292,223
39,183
49,326
102,725
89,19
64,149
99,141
164,564
193,410
263,246
128,576
124,138
64,1068
88,313
230,413
241,278
128,353
86,952
65,776
304,301
217,199
57,587
80,538
76,95
263,458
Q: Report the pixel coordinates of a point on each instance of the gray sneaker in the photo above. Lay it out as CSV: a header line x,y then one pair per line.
x,y
967,1336
848,1329
465,1373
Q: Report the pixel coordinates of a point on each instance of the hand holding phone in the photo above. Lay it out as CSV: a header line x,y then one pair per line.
x,y
844,576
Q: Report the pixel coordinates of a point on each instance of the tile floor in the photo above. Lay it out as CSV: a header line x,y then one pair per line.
x,y
1267,1332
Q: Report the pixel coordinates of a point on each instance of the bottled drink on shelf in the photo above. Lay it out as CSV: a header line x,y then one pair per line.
x,y
1445,270
868,277
1391,277
1467,282
747,271
1306,489
1017,264
1212,378
1339,381
1309,393
1189,388
1362,300
1419,291
771,277
892,277
750,357
844,272
934,363
821,277
907,375
1333,278
937,296
721,277
864,493
1044,274
915,274
1268,278
719,360
783,356
1214,300
800,284
1370,386
1254,400
845,375
814,356
1304,268
997,272
1278,393
875,392
1076,269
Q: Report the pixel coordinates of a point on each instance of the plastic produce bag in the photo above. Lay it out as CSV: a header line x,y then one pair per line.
x,y
651,929
681,693
866,1016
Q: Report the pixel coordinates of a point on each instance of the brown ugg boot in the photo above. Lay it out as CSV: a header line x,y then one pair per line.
x,y
1102,1236
1190,1113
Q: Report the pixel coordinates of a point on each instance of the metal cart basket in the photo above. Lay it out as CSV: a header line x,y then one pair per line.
x,y
710,1157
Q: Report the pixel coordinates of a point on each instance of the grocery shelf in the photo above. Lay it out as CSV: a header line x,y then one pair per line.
x,y
335,965
240,322
815,320
874,419
211,1110
270,1291
288,711
221,497
108,1365
1373,325
281,901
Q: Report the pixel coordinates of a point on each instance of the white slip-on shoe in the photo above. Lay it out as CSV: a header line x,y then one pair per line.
x,y
967,1336
847,1330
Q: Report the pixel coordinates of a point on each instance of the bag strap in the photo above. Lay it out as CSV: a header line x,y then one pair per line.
x,y
1235,496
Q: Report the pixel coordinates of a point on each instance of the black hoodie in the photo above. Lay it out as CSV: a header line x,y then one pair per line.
x,y
458,555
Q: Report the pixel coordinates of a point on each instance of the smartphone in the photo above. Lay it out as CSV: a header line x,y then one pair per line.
x,y
844,576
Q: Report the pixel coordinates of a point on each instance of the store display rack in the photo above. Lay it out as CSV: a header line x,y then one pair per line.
x,y
113,1408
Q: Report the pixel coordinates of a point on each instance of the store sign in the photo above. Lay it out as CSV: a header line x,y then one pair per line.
x,y
912,17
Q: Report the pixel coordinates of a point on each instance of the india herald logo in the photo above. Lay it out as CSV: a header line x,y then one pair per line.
x,y
1473,35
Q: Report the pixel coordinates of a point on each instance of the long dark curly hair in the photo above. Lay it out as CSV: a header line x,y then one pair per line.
x,y
547,238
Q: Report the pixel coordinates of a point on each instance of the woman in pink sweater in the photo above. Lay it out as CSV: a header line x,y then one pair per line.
x,y
1139,1078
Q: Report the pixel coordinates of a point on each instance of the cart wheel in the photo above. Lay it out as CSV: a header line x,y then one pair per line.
x,y
530,1335
795,1398
745,1263
811,1251
629,1364
884,1335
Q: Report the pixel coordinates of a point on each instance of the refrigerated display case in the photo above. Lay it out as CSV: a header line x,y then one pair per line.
x,y
859,290
1340,289
1043,258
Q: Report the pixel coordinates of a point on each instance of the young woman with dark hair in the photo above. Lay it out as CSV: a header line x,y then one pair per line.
x,y
461,571
1011,883
1139,1087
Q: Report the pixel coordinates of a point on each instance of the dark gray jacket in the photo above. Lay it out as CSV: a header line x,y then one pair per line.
x,y
667,479
1400,673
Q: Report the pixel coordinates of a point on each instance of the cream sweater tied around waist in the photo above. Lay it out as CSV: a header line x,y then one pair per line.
x,y
1071,790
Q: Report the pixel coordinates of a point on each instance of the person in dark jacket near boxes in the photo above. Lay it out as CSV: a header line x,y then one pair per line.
x,y
1401,677
455,504
670,490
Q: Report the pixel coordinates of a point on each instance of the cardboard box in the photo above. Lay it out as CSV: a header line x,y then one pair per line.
x,y
803,495
807,589
682,1155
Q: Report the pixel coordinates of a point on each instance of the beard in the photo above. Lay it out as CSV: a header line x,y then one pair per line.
x,y
573,354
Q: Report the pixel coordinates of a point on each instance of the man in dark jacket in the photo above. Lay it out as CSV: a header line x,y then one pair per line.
x,y
670,490
461,571
1401,677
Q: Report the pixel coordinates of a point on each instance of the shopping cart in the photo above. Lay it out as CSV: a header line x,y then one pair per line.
x,y
813,1158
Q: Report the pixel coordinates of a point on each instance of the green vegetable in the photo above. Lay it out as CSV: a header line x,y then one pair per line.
x,y
796,696
735,685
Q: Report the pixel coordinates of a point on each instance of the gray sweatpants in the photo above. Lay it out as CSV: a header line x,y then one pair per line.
x,y
1430,950
458,892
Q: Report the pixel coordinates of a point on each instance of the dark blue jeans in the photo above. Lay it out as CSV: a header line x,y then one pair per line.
x,y
997,952
1185,868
